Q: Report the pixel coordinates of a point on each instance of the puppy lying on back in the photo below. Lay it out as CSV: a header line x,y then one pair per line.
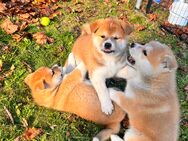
x,y
72,95
102,49
150,98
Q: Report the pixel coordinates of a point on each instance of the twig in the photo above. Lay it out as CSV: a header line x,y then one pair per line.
x,y
9,114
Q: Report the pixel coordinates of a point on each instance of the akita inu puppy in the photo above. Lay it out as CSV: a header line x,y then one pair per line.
x,y
102,49
150,98
50,88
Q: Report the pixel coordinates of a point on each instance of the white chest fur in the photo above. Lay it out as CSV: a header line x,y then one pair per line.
x,y
111,67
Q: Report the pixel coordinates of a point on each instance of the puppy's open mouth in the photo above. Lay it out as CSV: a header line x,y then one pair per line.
x,y
108,51
130,59
57,70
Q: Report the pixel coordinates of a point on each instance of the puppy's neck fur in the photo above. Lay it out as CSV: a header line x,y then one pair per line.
x,y
164,84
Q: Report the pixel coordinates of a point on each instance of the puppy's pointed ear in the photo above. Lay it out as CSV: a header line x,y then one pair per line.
x,y
169,63
91,28
27,79
127,27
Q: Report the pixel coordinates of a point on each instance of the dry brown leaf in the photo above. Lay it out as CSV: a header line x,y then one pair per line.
x,y
125,1
24,16
55,6
68,134
9,27
19,138
2,7
186,88
31,133
1,64
23,26
69,10
6,49
50,40
153,17
34,20
40,38
56,13
38,1
139,27
17,37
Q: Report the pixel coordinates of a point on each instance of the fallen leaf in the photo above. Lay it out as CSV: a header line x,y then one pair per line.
x,y
186,88
2,7
9,27
17,37
69,10
38,1
67,133
23,26
46,11
19,138
2,78
34,20
181,32
24,16
6,49
125,1
139,27
40,38
1,64
50,40
55,14
31,133
153,17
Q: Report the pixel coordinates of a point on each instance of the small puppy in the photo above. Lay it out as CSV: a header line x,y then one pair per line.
x,y
102,49
150,98
71,94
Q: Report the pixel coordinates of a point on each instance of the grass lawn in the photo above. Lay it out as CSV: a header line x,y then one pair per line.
x,y
20,58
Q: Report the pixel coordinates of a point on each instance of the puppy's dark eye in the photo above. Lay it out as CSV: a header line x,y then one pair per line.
x,y
116,38
102,36
145,52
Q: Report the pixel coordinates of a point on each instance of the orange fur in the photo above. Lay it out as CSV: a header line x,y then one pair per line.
x,y
74,96
100,62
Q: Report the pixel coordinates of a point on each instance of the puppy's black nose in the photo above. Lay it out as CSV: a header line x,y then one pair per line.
x,y
107,45
132,45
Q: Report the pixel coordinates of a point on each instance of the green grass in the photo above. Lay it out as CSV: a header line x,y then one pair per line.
x,y
27,55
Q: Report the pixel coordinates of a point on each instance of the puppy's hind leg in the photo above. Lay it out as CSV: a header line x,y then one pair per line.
x,y
107,132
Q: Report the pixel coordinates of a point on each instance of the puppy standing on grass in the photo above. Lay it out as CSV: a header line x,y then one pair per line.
x,y
102,49
150,98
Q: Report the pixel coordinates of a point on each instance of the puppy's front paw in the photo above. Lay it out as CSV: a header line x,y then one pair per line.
x,y
95,139
115,138
107,107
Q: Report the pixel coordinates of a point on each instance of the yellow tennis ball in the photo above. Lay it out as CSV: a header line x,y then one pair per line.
x,y
45,21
